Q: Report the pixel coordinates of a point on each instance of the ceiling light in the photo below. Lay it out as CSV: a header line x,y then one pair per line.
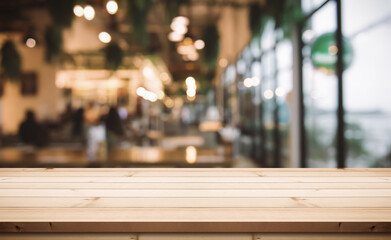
x,y
181,20
112,7
141,91
248,82
89,12
78,10
175,37
104,37
30,42
178,28
199,44
190,82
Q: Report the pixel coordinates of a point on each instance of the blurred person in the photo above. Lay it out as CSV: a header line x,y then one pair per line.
x,y
78,124
31,132
114,127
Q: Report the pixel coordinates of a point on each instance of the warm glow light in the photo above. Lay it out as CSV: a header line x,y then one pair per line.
x,y
178,28
193,56
160,95
147,72
255,81
191,154
165,77
30,42
175,37
147,95
248,82
186,50
141,91
169,103
223,62
78,10
251,82
333,49
151,96
280,92
112,7
191,98
89,12
181,20
191,92
268,94
199,44
190,82
104,37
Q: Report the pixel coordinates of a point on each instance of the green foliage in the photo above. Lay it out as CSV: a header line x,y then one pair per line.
x,y
211,49
384,161
292,15
53,39
61,12
257,19
114,55
10,61
138,14
284,13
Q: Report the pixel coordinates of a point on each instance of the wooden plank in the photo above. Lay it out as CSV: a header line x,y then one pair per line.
x,y
362,170
69,236
264,236
322,174
197,179
268,193
190,236
105,202
195,215
136,174
180,185
323,236
193,227
194,174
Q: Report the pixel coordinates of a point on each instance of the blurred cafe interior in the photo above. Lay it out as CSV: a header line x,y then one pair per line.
x,y
195,83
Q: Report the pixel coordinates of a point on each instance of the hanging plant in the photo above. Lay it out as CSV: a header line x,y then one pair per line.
x,y
211,49
257,19
10,61
284,13
138,14
113,55
61,12
53,39
292,15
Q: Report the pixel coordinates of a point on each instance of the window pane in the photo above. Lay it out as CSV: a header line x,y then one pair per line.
x,y
367,85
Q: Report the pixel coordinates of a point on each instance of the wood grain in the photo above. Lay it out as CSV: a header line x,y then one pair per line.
x,y
196,200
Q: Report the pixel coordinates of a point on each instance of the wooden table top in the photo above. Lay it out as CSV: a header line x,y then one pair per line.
x,y
195,200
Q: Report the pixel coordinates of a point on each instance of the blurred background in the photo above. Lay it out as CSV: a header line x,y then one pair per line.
x,y
195,83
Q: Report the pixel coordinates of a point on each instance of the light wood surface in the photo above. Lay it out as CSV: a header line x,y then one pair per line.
x,y
202,236
195,200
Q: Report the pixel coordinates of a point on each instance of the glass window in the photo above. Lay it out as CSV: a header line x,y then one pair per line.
x,y
367,85
320,94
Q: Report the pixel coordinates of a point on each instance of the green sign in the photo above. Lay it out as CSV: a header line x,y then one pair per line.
x,y
324,53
